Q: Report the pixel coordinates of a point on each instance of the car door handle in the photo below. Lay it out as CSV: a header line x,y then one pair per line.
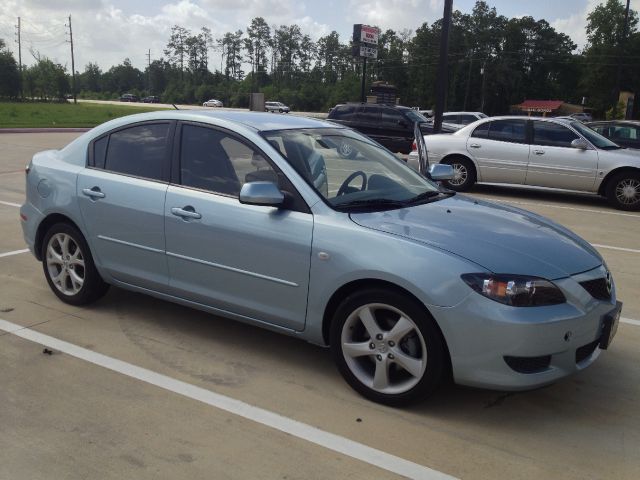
x,y
186,212
539,152
475,145
93,192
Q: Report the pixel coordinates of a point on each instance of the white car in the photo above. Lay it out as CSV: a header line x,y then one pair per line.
x,y
457,120
213,103
275,107
536,151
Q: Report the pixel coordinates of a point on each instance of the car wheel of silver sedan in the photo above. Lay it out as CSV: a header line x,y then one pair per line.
x,y
68,266
387,346
464,174
623,191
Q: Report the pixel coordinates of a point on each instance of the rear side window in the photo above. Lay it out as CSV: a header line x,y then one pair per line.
x,y
140,151
513,131
467,119
100,151
481,131
369,114
391,117
450,118
343,112
552,134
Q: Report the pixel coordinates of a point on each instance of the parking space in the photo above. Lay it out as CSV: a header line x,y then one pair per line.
x,y
67,417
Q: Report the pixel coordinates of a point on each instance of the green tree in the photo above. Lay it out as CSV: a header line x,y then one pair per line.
x,y
9,73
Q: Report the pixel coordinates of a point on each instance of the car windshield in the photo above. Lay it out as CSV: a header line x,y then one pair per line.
x,y
416,116
350,171
594,137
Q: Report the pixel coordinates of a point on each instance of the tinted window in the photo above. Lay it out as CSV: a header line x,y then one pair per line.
x,y
467,119
100,151
391,117
214,161
508,130
450,118
552,134
139,151
369,115
343,112
481,131
624,133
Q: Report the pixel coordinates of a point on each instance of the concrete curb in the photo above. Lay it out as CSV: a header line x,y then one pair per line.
x,y
42,130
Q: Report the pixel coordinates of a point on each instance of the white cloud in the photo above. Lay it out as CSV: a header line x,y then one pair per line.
x,y
395,14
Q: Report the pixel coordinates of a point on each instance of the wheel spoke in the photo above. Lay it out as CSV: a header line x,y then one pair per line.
x,y
76,279
381,377
53,257
410,364
358,349
400,329
64,244
369,322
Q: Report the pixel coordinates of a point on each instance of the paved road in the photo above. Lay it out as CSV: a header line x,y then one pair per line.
x,y
64,417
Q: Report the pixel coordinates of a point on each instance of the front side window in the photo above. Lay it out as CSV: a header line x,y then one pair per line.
x,y
343,112
391,117
450,119
351,171
594,137
141,151
552,134
369,115
213,160
624,133
513,131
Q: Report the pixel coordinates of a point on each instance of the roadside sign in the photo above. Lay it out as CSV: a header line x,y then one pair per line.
x,y
365,34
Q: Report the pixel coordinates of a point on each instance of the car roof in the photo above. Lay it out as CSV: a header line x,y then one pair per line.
x,y
259,121
635,123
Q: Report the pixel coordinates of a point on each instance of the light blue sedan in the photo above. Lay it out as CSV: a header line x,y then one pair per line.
x,y
259,218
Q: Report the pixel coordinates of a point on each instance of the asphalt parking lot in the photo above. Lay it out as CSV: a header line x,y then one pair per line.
x,y
203,405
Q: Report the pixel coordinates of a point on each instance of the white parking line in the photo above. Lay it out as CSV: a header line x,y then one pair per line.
x,y
589,210
15,252
276,421
630,321
10,204
621,249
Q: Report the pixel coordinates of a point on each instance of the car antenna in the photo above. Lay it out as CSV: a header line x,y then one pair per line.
x,y
174,106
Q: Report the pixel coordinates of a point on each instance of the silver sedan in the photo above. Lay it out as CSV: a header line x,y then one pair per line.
x,y
544,152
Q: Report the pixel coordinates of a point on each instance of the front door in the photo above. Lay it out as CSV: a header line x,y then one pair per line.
x,y
553,162
249,260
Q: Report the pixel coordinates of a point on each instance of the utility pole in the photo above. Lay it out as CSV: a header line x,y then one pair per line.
x,y
19,56
363,98
149,71
466,92
621,42
483,72
73,65
441,87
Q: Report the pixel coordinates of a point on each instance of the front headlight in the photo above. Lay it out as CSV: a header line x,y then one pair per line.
x,y
515,290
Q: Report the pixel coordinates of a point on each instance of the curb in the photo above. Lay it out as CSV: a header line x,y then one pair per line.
x,y
42,130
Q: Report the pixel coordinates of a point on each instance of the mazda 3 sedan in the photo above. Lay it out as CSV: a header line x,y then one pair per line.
x,y
258,218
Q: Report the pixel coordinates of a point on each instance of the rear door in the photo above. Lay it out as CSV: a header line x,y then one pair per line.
x,y
501,150
394,131
555,163
121,197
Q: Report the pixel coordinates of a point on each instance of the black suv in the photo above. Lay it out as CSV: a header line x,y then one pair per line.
x,y
389,125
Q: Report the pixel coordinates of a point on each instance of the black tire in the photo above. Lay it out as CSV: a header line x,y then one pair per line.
x,y
360,369
623,191
467,171
92,287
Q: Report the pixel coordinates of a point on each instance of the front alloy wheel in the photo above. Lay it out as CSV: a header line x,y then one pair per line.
x,y
623,191
387,347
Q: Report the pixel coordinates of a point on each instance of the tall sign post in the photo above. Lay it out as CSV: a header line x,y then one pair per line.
x,y
365,45
441,86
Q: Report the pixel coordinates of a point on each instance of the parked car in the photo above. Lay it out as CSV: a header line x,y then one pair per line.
x,y
389,125
457,120
129,97
582,116
625,133
151,99
544,152
227,212
213,103
275,107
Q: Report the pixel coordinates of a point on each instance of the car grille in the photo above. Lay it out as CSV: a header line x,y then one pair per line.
x,y
597,288
528,364
585,351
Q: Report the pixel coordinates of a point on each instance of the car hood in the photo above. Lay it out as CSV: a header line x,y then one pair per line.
x,y
499,238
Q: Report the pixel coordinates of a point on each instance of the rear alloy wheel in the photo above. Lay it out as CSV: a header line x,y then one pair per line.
x,y
68,266
464,174
623,191
387,347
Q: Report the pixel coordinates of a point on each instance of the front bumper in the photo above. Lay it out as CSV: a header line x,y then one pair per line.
x,y
480,333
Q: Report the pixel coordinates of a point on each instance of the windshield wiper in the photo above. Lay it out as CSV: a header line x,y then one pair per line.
x,y
372,203
427,195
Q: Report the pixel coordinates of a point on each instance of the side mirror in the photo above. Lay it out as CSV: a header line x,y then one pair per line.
x,y
261,193
440,171
580,143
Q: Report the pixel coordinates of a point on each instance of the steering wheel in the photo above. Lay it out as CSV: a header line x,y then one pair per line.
x,y
345,185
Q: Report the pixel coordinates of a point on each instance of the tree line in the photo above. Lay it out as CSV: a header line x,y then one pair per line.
x,y
493,63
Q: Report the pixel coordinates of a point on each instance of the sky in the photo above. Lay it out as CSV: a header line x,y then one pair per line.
x,y
108,31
